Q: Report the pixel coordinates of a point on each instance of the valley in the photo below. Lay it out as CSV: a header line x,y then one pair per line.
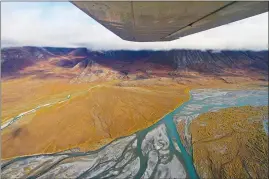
x,y
156,151
84,117
66,111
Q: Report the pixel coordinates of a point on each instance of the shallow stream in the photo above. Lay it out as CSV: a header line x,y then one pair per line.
x,y
154,152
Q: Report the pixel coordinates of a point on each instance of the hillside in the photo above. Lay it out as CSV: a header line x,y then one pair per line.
x,y
97,96
23,61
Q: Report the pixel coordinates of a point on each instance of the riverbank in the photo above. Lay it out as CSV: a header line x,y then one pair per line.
x,y
156,151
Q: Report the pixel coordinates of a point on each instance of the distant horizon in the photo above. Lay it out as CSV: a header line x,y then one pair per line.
x,y
65,47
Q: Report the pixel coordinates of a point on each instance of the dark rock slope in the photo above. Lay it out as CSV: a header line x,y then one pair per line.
x,y
207,62
15,59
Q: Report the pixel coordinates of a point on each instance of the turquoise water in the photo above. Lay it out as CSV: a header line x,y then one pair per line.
x,y
161,138
265,126
172,132
202,101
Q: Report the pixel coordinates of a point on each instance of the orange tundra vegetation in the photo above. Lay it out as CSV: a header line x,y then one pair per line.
x,y
20,95
96,97
226,145
90,119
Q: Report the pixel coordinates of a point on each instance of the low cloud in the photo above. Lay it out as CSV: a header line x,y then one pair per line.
x,y
62,24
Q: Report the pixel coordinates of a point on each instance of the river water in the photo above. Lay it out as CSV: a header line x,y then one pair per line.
x,y
154,152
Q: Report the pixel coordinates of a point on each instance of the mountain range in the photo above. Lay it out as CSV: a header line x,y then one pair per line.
x,y
97,96
103,65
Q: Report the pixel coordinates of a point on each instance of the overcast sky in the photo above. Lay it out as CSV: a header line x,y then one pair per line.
x,y
62,24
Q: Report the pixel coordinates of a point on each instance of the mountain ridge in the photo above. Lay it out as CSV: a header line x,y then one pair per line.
x,y
88,65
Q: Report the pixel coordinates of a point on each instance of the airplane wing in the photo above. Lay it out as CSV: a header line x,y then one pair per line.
x,y
165,21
